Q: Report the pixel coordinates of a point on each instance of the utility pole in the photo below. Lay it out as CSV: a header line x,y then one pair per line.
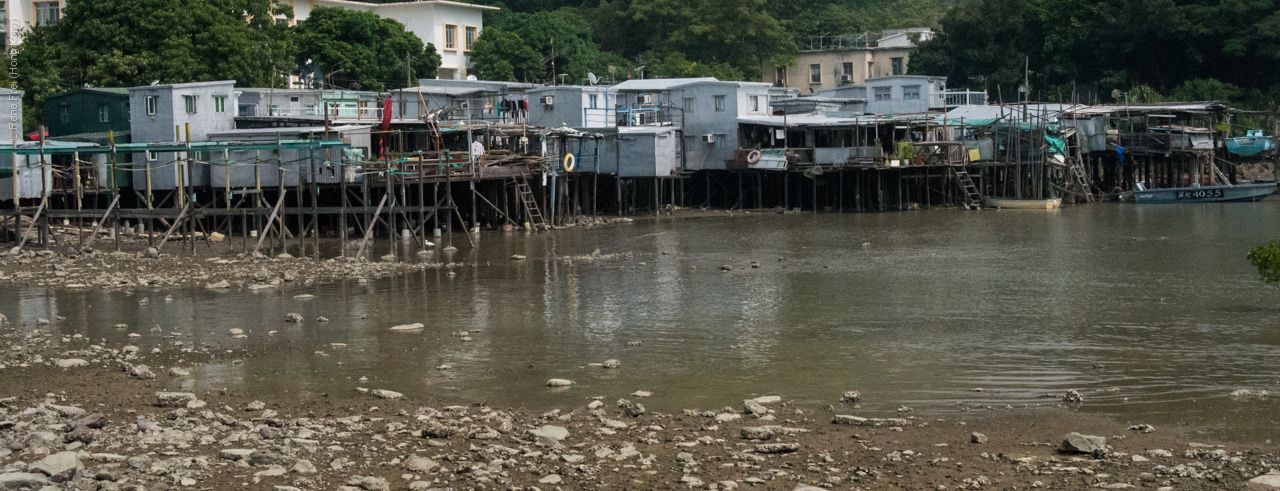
x,y
408,70
553,61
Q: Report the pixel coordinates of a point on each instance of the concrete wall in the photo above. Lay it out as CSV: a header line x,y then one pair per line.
x,y
645,152
867,63
723,125
171,112
572,107
932,94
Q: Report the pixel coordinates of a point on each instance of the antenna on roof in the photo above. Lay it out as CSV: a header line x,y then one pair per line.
x,y
591,77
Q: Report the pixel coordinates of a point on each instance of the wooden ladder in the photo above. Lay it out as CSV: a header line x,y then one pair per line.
x,y
1081,180
530,203
972,198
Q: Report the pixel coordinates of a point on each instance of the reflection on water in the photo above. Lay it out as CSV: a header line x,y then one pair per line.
x,y
1151,311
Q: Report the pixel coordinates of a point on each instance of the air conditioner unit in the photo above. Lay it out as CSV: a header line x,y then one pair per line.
x,y
644,99
708,138
546,100
845,78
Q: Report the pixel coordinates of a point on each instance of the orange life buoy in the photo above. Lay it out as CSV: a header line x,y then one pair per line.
x,y
753,156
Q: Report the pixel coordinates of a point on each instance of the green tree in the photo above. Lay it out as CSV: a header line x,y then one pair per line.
x,y
1267,259
372,53
563,40
502,55
1206,89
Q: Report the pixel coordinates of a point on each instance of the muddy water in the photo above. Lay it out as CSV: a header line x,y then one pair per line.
x,y
1152,312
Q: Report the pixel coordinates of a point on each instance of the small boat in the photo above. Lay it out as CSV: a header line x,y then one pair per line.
x,y
1201,194
1251,144
1022,203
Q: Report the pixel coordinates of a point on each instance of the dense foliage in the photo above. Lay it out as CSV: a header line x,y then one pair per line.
x,y
1147,49
124,43
366,52
1267,259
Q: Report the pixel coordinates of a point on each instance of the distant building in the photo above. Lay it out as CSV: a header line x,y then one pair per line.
x,y
833,61
89,115
451,26
23,14
575,106
266,102
906,94
162,113
704,110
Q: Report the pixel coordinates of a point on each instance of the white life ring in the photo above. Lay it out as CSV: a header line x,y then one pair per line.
x,y
569,162
753,156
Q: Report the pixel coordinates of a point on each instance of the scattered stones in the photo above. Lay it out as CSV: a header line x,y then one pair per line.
x,y
548,431
1072,396
1145,428
776,448
754,408
631,409
851,396
386,394
757,433
142,372
293,317
559,382
610,364
419,464
174,399
553,478
976,437
1078,443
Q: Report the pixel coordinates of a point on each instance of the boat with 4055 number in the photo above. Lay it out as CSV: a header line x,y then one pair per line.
x,y
1201,194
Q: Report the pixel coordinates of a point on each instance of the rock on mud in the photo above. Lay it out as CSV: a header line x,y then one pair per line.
x,y
559,382
1078,443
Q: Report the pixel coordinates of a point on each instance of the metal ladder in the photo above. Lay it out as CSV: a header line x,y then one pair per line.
x,y
530,204
1082,181
972,198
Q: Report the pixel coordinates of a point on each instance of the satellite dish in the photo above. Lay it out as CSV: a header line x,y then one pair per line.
x,y
472,77
591,77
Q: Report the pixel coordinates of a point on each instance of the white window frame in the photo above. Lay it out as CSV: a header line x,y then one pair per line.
x,y
689,103
64,113
815,73
594,101
47,13
104,113
151,102
219,103
882,93
911,92
189,102
719,103
755,103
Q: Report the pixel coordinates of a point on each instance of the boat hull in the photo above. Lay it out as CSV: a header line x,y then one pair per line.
x,y
1022,203
1205,194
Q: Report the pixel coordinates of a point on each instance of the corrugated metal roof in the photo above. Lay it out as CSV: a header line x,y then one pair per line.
x,y
1143,108
655,84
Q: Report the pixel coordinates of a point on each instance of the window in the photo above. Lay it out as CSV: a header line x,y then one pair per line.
x,y
46,13
720,141
104,113
219,103
688,105
595,101
755,103
884,94
781,76
815,74
719,103
470,39
847,68
190,101
911,93
151,104
294,99
65,113
897,65
151,155
450,36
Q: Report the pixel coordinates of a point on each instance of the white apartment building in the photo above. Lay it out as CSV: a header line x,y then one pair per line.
x,y
24,13
451,26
